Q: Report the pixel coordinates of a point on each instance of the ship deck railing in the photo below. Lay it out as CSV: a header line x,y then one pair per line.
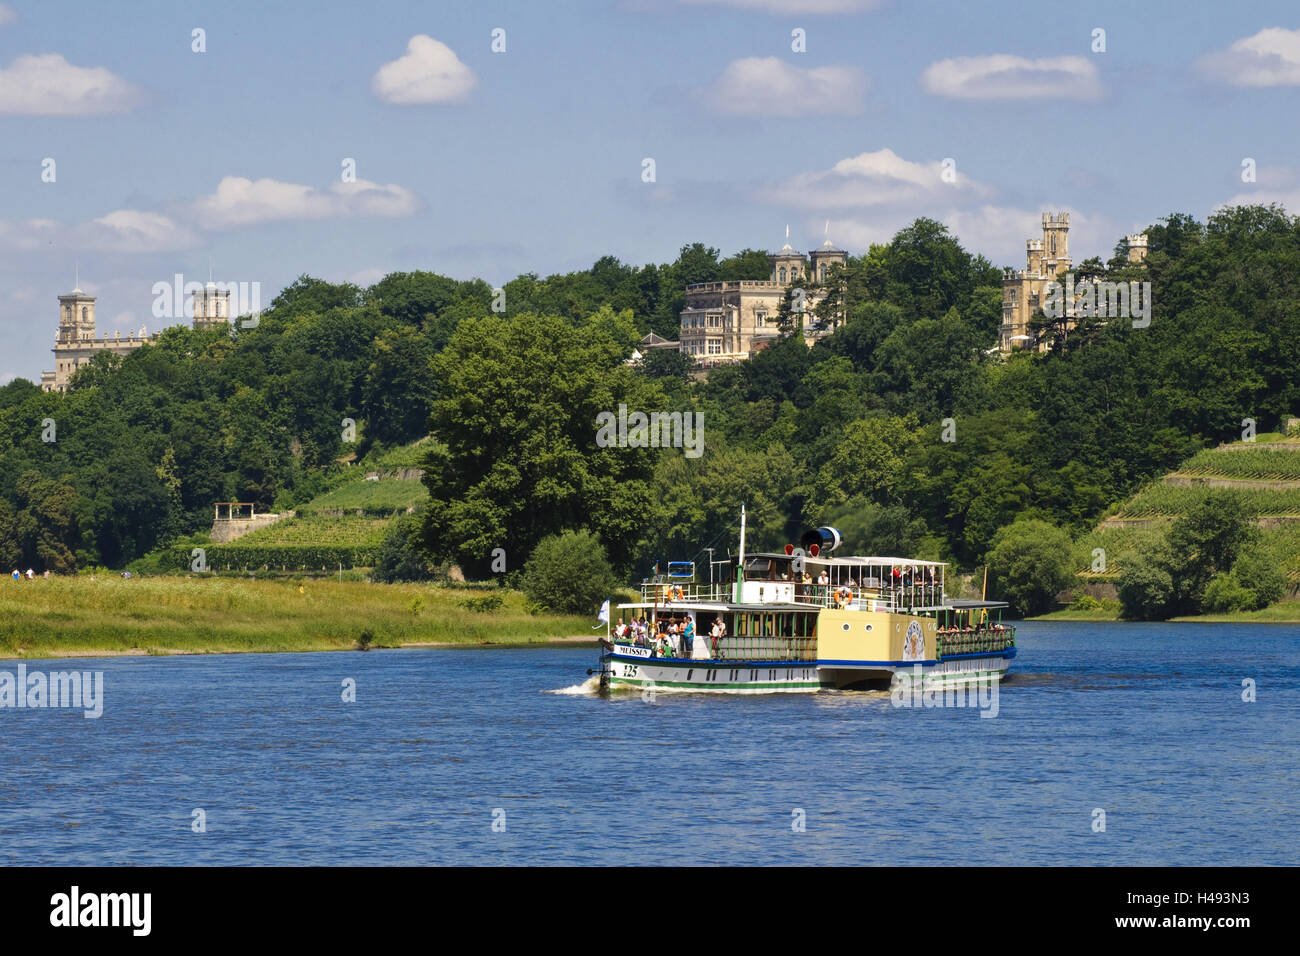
x,y
759,648
898,598
981,641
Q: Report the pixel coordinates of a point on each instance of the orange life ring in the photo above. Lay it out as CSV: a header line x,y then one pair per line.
x,y
843,596
675,594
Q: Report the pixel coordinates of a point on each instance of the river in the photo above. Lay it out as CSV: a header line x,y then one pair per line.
x,y
481,756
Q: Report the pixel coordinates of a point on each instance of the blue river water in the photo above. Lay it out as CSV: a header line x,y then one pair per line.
x,y
1145,723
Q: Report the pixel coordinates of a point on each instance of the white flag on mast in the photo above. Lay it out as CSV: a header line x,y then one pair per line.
x,y
603,617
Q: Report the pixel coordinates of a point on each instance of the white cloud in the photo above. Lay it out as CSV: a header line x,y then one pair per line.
x,y
48,85
122,231
766,86
240,202
873,179
1269,58
1005,77
792,7
236,202
429,73
365,277
1277,184
130,230
7,15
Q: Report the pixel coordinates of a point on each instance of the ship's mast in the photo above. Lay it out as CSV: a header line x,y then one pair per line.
x,y
740,568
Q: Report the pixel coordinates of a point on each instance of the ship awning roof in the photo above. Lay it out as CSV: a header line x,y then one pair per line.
x,y
856,560
966,604
719,606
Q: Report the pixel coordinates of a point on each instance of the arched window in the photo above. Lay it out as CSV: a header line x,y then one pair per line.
x,y
85,313
783,274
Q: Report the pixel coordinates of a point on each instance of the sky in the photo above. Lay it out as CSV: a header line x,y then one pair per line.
x,y
491,138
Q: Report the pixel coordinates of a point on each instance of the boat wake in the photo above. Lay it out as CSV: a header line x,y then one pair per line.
x,y
590,686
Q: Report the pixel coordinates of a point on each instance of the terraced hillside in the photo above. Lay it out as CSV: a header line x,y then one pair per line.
x,y
343,526
1266,478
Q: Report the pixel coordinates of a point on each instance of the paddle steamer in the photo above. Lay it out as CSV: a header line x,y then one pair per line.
x,y
802,621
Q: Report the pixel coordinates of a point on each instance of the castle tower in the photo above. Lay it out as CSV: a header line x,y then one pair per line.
x,y
211,306
76,317
1034,256
788,266
824,258
1137,247
1056,244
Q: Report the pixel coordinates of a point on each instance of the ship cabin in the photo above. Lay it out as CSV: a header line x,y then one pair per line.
x,y
766,605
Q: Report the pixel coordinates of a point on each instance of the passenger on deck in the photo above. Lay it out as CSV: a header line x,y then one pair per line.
x,y
822,579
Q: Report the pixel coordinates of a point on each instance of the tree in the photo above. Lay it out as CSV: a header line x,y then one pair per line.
x,y
400,557
45,524
872,528
1146,587
518,457
868,461
1254,582
1029,563
667,363
569,573
1205,542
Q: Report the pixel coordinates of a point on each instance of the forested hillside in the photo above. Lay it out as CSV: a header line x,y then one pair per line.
x,y
851,431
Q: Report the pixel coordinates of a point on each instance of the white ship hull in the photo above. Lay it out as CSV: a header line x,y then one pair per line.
x,y
630,668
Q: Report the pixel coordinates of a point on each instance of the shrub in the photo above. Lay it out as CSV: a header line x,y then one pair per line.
x,y
1146,588
1258,572
400,556
1224,593
1029,563
569,573
483,605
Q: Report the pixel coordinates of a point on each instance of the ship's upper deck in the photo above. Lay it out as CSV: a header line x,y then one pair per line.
x,y
794,580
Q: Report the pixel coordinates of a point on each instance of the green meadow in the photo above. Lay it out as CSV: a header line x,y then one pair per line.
x,y
172,615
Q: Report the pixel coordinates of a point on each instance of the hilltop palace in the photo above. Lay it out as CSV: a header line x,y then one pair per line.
x,y
1046,260
75,344
727,321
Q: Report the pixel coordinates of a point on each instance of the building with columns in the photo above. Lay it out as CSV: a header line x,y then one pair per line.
x,y
76,345
729,321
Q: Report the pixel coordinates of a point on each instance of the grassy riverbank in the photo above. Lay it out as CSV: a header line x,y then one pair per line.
x,y
77,616
1283,612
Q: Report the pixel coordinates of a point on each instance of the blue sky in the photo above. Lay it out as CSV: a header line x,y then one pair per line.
x,y
471,162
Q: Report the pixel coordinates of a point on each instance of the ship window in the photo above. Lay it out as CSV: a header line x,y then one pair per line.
x,y
844,627
868,627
